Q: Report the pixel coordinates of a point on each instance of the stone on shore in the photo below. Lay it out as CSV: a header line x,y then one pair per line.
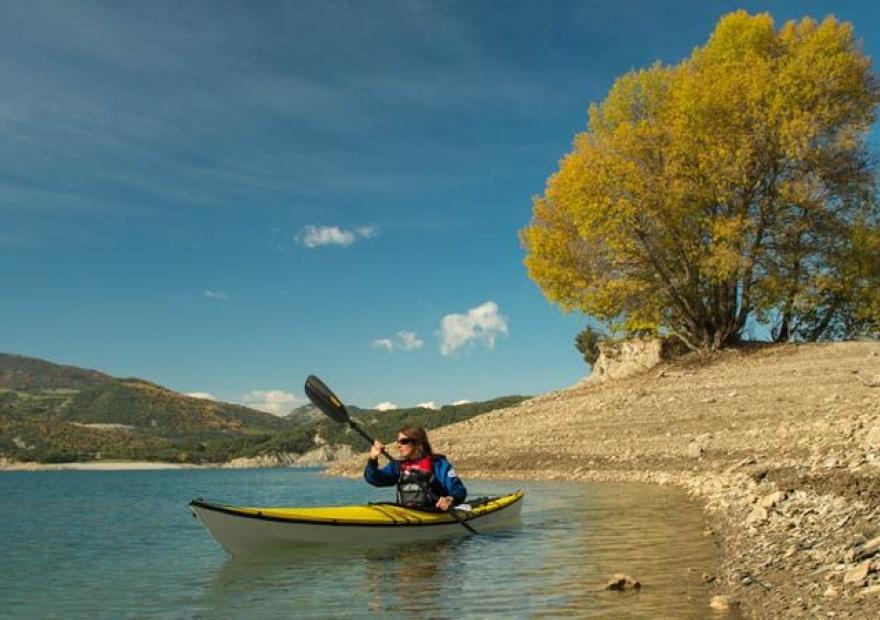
x,y
723,602
771,499
858,574
758,515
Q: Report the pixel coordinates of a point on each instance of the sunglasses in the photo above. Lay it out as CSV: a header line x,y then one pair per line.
x,y
406,441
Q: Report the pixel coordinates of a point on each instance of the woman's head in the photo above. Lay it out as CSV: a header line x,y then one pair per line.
x,y
413,442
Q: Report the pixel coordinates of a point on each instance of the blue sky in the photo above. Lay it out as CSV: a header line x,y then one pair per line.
x,y
225,197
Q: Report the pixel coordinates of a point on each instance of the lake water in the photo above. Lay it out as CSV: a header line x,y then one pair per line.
x,y
123,544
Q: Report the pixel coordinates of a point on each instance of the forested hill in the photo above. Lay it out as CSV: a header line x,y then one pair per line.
x,y
55,413
36,389
28,373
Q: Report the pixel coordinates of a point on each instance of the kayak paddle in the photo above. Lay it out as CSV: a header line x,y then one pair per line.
x,y
325,400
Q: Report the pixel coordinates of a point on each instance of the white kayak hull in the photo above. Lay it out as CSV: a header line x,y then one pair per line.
x,y
256,530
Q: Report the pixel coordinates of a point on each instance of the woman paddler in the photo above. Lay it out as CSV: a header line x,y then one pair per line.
x,y
423,479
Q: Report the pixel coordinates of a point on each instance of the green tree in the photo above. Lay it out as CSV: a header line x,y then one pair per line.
x,y
734,184
587,342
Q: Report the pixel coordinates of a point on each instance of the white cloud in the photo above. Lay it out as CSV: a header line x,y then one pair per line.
x,y
385,406
317,236
428,405
461,402
277,402
408,341
202,395
218,295
480,324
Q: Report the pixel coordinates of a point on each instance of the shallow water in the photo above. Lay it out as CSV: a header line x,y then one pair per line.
x,y
123,544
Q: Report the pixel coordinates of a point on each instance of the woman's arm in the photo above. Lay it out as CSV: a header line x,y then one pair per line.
x,y
449,480
384,477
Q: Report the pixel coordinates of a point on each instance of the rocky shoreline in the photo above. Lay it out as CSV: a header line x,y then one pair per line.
x,y
781,444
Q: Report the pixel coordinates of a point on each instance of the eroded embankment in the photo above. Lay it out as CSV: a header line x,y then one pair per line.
x,y
781,444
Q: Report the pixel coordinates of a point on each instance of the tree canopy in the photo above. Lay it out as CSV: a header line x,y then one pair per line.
x,y
735,184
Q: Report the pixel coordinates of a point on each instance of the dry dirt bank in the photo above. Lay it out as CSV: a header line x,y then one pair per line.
x,y
781,444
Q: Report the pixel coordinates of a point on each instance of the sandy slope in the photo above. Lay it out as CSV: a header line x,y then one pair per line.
x,y
781,444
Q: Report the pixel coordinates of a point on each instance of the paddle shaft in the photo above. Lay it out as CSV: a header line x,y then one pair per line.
x,y
356,428
457,517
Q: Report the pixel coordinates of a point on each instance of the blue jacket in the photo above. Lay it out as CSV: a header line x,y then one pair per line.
x,y
444,474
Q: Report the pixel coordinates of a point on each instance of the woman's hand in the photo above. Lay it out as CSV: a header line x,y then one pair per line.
x,y
376,450
445,503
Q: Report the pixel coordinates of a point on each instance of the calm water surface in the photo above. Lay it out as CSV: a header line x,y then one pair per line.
x,y
90,544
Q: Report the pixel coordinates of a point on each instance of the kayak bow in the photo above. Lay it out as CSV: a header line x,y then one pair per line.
x,y
242,530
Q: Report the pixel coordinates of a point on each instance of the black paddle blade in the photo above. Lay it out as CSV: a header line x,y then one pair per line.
x,y
325,400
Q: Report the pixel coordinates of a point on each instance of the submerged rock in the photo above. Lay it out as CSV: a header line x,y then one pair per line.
x,y
620,581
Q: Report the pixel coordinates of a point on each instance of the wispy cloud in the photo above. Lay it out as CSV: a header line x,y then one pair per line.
x,y
383,343
217,295
482,324
277,402
367,231
403,340
385,406
318,236
138,110
461,402
428,405
409,341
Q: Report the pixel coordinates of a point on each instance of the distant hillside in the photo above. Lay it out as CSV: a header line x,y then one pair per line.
x,y
55,413
50,412
28,373
310,413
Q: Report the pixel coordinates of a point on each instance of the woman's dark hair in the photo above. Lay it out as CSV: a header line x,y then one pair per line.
x,y
420,436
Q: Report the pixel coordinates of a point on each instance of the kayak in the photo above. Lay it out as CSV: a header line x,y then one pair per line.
x,y
242,530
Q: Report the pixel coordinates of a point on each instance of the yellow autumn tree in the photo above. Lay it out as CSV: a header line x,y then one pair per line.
x,y
734,184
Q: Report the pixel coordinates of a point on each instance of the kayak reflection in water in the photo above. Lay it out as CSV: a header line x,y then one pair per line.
x,y
423,479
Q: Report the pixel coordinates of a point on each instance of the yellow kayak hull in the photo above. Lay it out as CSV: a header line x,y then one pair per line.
x,y
244,530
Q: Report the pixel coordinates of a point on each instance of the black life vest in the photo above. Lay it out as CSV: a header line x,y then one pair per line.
x,y
417,487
